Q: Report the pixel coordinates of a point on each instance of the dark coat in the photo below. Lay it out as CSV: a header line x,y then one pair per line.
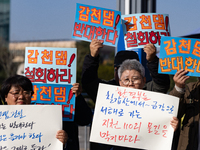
x,y
189,107
83,117
90,82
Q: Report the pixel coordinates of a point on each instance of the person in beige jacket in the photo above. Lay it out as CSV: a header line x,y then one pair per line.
x,y
187,137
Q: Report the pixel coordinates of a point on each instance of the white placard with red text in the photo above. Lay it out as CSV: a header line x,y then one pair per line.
x,y
133,118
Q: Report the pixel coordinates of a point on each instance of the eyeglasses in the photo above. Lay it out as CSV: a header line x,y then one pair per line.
x,y
134,80
16,94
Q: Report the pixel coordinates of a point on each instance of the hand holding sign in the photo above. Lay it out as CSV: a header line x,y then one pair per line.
x,y
61,135
134,118
150,51
180,78
76,89
174,123
95,45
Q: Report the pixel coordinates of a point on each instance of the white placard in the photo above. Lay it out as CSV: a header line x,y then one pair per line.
x,y
27,127
133,118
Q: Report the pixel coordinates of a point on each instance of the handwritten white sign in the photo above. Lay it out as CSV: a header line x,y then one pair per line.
x,y
30,127
133,118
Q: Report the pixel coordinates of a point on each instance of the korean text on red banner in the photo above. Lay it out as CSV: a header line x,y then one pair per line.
x,y
52,72
93,22
141,29
179,53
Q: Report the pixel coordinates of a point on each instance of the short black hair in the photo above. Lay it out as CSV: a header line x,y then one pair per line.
x,y
124,55
17,81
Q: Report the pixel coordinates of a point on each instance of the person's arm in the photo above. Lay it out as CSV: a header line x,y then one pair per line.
x,y
160,82
90,81
179,79
83,113
179,91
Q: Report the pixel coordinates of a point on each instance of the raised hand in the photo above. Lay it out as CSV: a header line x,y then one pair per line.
x,y
150,51
180,78
95,45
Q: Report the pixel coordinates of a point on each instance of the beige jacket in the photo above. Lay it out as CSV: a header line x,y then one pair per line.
x,y
190,107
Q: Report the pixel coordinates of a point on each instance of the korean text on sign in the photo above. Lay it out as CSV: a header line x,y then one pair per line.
x,y
55,94
179,53
52,72
133,118
141,29
95,22
21,128
50,65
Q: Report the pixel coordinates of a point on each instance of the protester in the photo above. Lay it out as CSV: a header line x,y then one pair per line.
x,y
90,80
131,74
83,117
189,109
17,90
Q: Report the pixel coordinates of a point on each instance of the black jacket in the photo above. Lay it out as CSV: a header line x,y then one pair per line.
x,y
83,117
90,80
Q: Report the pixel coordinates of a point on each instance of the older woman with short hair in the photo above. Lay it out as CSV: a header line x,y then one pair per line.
x,y
132,74
17,90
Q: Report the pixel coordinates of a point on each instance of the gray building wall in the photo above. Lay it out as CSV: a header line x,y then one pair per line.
x,y
4,21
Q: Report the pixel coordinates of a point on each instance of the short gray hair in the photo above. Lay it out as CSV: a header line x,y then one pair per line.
x,y
131,64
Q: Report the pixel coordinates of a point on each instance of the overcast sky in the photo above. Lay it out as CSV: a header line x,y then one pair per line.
x,y
53,20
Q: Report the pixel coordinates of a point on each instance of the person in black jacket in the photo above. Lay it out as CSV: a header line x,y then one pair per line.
x,y
83,117
17,90
90,80
131,74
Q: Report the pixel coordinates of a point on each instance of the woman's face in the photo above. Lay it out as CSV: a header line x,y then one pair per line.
x,y
133,79
17,96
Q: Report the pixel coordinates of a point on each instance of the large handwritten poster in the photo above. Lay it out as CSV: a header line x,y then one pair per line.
x,y
179,53
141,29
95,22
133,118
52,72
30,127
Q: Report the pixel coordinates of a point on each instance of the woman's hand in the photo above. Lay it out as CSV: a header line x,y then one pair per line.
x,y
62,136
174,123
150,51
76,89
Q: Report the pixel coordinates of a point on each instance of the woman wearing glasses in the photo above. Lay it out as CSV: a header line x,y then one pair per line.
x,y
132,74
17,90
